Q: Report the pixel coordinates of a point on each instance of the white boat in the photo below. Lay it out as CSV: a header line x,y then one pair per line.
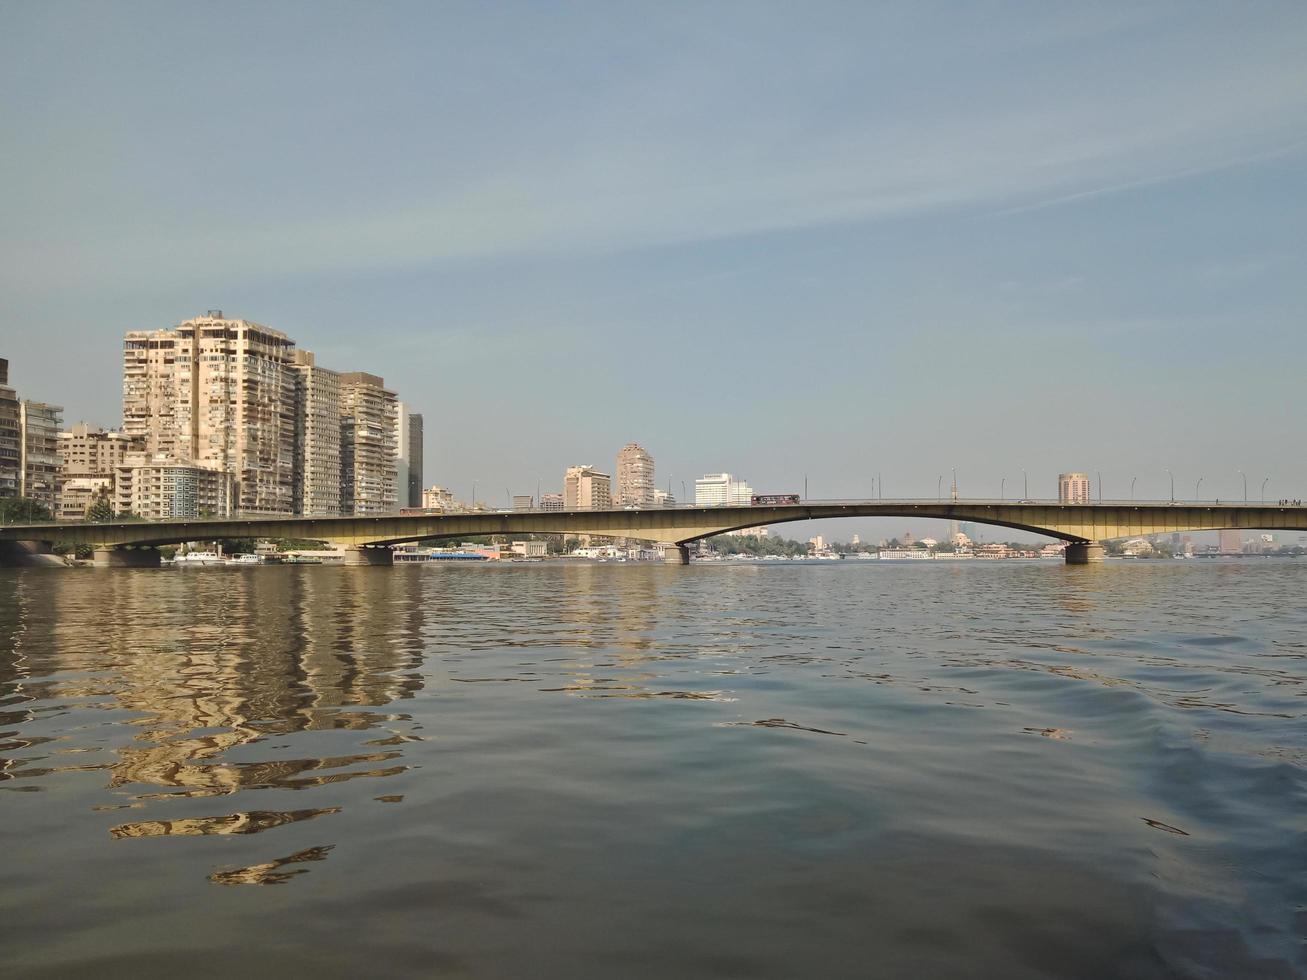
x,y
245,560
198,558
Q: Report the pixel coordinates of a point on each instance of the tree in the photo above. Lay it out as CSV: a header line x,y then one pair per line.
x,y
23,510
100,510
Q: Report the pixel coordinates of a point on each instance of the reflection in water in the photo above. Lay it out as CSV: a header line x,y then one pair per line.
x,y
762,770
269,872
198,674
253,822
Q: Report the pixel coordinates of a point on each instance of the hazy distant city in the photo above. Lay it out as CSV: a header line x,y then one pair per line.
x,y
227,417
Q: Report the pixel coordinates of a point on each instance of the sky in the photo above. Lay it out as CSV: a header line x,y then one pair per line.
x,y
841,242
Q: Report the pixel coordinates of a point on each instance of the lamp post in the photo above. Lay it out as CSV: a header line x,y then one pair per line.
x,y
1196,486
1025,485
1172,476
1132,487
955,480
1100,487
880,487
474,493
1245,485
939,487
1002,489
1264,482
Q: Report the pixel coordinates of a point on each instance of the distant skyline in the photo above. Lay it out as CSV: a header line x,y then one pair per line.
x,y
777,240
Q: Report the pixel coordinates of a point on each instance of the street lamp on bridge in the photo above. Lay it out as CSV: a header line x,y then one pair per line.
x,y
1245,485
1196,486
939,487
1132,487
1025,485
1264,482
1172,476
1002,489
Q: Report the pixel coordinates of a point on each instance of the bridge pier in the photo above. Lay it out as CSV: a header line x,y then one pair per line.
x,y
678,554
26,554
125,558
360,555
1084,552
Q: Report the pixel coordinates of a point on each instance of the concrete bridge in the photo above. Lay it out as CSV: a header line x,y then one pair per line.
x,y
365,539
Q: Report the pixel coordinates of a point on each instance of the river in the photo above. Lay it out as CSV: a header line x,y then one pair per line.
x,y
836,769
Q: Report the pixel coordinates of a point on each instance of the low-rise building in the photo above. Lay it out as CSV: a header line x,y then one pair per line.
x,y
530,549
160,488
77,493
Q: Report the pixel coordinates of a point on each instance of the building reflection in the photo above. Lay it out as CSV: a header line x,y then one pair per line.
x,y
217,666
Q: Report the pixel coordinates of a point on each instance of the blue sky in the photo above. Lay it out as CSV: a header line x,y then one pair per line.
x,y
778,239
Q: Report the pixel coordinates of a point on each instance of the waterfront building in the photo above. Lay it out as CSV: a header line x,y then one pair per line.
x,y
635,477
721,490
39,426
219,394
408,458
530,549
88,459
585,488
414,442
10,441
157,487
1073,488
437,498
753,532
317,474
552,501
77,493
368,447
1231,541
84,451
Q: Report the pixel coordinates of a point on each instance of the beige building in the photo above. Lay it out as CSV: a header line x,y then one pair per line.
x,y
84,451
76,494
39,425
437,498
10,443
368,449
585,488
551,501
157,487
317,474
1073,488
220,394
88,460
635,477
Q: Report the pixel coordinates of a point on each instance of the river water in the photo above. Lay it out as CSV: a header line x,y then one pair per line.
x,y
838,769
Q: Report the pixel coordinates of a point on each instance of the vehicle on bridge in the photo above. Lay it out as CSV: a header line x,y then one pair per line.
x,y
773,499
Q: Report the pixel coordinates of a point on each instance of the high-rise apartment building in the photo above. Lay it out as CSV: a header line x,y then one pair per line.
x,y
221,394
635,477
368,444
408,460
585,488
1073,488
415,437
39,425
721,490
10,435
317,474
